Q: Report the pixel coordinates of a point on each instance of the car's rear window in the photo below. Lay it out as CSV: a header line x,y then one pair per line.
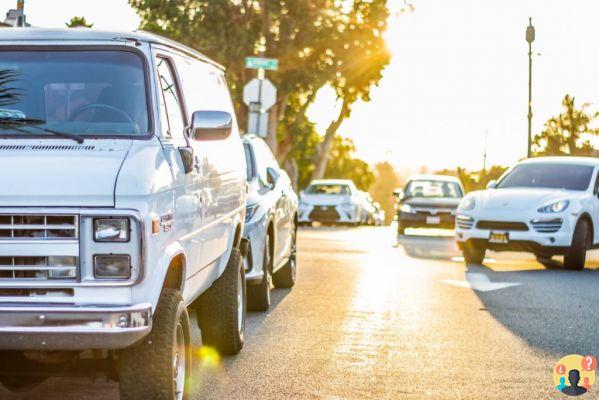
x,y
547,175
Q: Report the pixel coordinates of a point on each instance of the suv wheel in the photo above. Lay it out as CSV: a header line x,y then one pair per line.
x,y
581,242
221,310
259,295
160,365
285,277
473,254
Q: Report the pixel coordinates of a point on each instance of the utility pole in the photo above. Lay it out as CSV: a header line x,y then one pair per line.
x,y
21,13
530,37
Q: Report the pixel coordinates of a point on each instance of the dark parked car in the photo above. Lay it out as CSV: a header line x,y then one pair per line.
x,y
428,201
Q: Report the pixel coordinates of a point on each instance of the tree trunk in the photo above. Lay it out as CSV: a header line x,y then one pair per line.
x,y
321,156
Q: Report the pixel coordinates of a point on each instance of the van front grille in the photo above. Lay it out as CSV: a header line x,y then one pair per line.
x,y
47,267
38,227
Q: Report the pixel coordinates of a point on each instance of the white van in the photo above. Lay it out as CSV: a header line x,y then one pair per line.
x,y
122,207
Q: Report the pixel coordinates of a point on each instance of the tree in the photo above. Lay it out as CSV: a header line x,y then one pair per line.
x,y
318,43
568,133
386,182
78,22
344,165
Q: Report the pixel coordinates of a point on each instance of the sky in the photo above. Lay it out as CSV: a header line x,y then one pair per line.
x,y
459,69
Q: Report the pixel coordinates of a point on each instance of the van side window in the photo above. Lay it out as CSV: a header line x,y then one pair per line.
x,y
173,122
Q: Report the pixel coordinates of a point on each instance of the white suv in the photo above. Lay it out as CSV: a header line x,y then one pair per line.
x,y
548,206
122,208
331,201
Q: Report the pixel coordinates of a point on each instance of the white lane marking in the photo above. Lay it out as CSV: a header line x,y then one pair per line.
x,y
480,282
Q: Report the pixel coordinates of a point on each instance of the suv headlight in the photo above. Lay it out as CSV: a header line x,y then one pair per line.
x,y
406,208
468,203
111,230
556,207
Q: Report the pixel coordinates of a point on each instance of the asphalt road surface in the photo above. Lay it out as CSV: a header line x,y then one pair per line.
x,y
373,319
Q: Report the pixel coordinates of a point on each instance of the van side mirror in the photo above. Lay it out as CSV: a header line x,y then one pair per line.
x,y
272,176
492,184
211,125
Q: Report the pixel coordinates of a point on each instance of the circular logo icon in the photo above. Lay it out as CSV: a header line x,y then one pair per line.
x,y
574,375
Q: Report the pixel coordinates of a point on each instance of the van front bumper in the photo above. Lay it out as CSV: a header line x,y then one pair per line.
x,y
73,327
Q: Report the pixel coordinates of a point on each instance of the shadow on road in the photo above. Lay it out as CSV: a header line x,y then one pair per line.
x,y
428,247
552,309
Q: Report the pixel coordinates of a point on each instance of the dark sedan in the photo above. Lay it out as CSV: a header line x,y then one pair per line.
x,y
428,201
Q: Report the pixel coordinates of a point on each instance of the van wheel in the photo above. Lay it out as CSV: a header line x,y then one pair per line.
x,y
581,241
221,310
160,366
259,295
473,254
285,277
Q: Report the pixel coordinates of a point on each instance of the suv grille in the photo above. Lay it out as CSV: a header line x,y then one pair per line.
x,y
547,226
38,227
502,225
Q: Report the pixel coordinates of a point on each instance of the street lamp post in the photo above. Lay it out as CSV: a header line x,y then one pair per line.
x,y
530,37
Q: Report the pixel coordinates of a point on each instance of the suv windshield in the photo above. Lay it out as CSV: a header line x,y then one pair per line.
x,y
88,93
328,189
431,188
554,176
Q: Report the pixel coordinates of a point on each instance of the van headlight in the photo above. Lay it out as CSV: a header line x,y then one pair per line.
x,y
112,266
408,209
111,230
556,207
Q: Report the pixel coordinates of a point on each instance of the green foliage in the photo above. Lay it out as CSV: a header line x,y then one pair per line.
x,y
9,94
475,180
317,42
78,22
386,182
568,133
344,165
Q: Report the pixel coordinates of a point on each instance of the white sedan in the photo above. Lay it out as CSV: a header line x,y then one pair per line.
x,y
331,201
547,205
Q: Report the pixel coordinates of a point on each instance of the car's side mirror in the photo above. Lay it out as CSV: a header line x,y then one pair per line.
x,y
211,125
492,184
272,176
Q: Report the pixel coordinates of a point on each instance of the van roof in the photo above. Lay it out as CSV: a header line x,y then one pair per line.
x,y
13,35
443,178
332,182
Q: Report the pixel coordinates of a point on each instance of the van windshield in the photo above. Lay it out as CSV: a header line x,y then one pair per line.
x,y
328,189
80,92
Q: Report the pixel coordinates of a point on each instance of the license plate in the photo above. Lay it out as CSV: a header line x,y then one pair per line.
x,y
324,208
433,220
500,238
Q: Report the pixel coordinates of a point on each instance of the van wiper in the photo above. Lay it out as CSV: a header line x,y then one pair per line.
x,y
35,123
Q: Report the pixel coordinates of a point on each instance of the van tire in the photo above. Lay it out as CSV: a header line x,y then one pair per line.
x,y
285,277
146,369
258,297
221,316
576,256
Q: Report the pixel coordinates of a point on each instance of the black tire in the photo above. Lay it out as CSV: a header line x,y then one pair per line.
x,y
146,370
581,242
401,230
222,308
284,278
473,254
258,296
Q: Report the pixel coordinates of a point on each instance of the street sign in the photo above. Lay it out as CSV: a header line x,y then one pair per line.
x,y
260,91
262,63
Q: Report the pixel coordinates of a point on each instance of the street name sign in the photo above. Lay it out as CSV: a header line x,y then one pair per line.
x,y
262,63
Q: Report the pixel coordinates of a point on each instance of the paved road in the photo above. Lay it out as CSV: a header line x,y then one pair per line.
x,y
369,319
